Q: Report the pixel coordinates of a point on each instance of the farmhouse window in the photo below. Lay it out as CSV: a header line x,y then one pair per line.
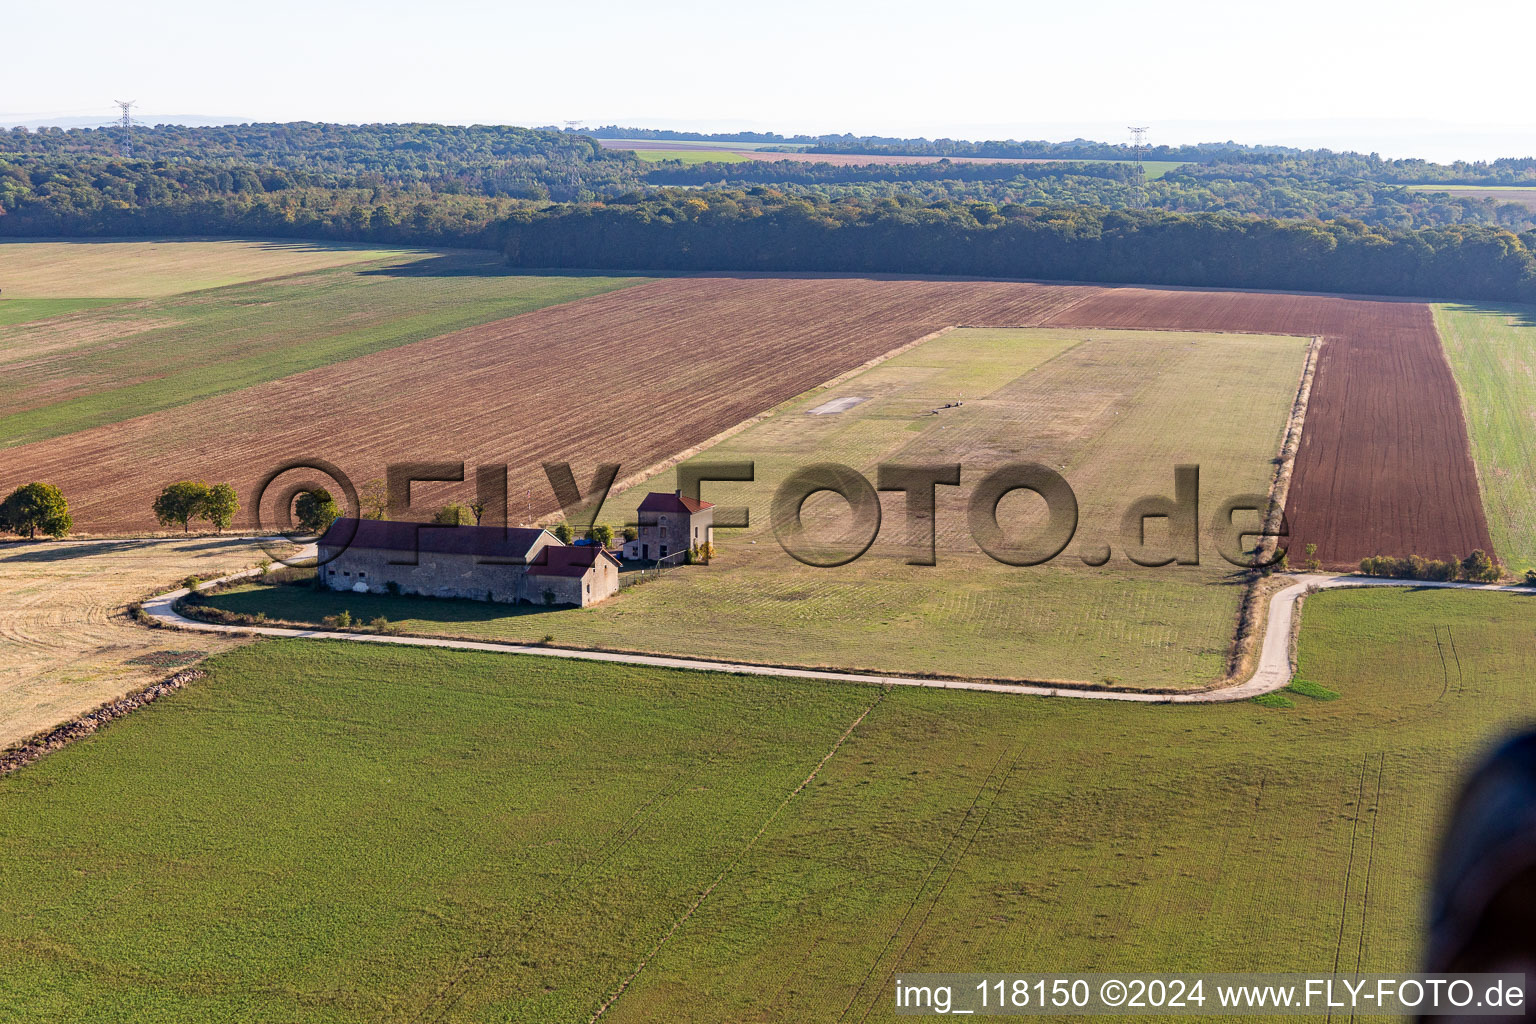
x,y
347,573
331,571
663,551
663,533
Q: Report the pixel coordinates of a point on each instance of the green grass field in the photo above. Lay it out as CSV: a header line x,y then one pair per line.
x,y
692,156
1492,350
1114,410
702,144
21,311
1473,188
371,834
84,367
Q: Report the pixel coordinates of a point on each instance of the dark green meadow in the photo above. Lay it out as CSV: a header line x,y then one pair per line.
x,y
328,832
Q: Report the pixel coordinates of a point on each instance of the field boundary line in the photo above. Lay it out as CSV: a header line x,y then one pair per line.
x,y
1251,627
740,856
944,885
34,748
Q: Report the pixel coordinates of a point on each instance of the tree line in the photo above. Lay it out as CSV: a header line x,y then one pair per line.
x,y
479,159
801,172
765,230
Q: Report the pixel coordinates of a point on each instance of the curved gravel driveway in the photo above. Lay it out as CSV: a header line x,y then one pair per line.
x,y
1274,671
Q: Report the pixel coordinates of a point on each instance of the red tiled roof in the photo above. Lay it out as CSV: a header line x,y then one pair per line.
x,y
486,541
659,501
568,561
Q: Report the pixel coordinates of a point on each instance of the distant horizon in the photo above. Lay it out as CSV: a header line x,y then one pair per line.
x,y
1404,138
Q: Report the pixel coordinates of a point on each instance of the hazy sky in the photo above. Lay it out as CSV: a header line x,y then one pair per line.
x,y
1404,77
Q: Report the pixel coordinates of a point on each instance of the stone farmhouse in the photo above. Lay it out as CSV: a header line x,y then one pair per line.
x,y
485,563
671,524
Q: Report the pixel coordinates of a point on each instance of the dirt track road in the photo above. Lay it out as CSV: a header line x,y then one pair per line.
x,y
1274,671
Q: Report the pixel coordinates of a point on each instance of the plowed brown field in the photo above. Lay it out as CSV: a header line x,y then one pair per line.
x,y
1384,465
632,379
638,375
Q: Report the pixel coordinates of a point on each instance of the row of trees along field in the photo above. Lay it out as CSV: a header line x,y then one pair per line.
x,y
764,230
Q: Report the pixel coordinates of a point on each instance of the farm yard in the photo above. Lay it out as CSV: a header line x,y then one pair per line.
x,y
1492,350
390,834
1114,411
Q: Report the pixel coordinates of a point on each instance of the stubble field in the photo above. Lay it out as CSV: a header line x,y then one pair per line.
x,y
150,268
90,366
66,644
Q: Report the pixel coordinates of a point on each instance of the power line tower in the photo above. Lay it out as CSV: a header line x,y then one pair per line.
x,y
1138,137
126,123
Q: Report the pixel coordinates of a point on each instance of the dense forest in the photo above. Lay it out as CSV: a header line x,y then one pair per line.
x,y
1077,149
1221,159
1230,215
98,197
482,160
764,230
1116,186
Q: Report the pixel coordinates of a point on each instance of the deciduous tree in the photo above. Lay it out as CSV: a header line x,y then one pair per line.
x,y
315,510
33,507
180,503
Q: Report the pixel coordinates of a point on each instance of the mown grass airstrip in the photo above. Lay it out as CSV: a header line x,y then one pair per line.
x,y
1114,411
327,833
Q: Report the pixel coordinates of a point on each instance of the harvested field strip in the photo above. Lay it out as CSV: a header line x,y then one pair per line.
x,y
141,268
1384,465
65,645
631,376
94,368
